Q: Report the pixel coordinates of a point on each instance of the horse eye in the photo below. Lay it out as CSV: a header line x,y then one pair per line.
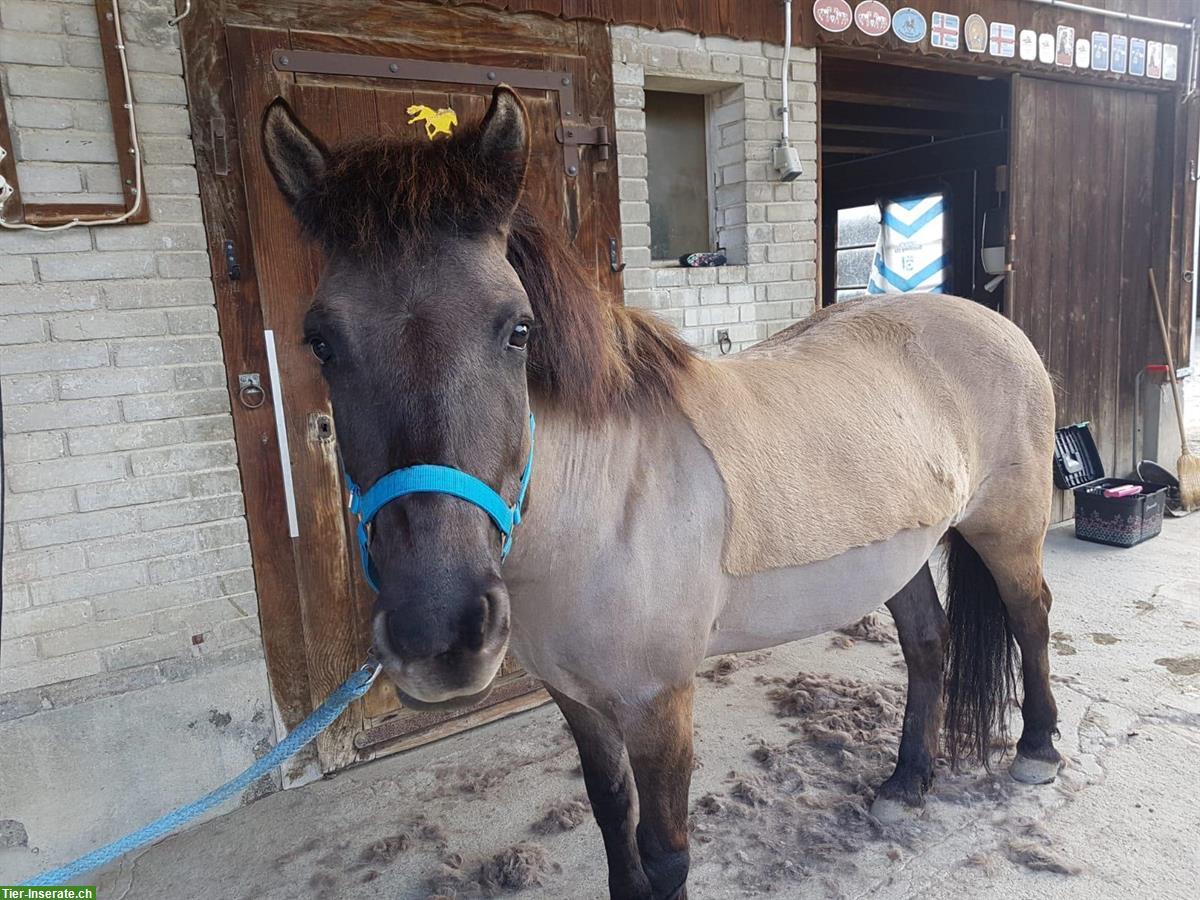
x,y
321,350
519,337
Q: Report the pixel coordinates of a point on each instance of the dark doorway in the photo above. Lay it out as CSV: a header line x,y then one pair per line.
x,y
919,156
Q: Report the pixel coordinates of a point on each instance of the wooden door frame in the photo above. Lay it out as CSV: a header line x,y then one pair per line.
x,y
208,80
223,194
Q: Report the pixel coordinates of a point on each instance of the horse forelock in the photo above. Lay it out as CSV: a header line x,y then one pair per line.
x,y
383,197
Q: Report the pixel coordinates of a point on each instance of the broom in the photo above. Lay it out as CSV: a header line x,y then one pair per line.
x,y
1188,466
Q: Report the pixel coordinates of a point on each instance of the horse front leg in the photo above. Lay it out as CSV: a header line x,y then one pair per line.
x,y
658,735
611,791
924,632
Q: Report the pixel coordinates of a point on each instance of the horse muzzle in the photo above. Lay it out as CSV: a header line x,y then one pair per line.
x,y
441,663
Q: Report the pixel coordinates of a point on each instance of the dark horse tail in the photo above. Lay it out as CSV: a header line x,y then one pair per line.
x,y
980,680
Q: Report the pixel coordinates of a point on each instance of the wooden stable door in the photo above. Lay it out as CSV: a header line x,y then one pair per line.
x,y
342,88
1090,212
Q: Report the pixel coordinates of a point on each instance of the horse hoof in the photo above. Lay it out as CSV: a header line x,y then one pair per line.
x,y
893,812
1033,771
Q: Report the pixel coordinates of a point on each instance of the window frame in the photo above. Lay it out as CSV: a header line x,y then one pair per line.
x,y
943,185
60,213
708,92
839,249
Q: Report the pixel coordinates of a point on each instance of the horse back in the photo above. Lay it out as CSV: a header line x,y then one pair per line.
x,y
869,418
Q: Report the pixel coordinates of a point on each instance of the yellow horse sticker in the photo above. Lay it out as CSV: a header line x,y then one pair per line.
x,y
437,121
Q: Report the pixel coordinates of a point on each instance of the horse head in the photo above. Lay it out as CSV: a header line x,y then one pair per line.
x,y
421,328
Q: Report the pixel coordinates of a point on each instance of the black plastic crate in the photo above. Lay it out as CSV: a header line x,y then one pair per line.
x,y
1117,521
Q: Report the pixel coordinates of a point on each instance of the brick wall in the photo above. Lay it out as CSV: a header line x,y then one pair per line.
x,y
126,544
768,227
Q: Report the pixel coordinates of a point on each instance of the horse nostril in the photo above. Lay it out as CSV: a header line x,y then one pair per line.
x,y
395,631
495,613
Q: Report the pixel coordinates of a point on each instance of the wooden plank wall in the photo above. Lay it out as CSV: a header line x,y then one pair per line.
x,y
1087,203
753,20
762,20
1022,14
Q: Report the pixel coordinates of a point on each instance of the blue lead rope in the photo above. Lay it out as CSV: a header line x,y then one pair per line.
x,y
322,717
363,504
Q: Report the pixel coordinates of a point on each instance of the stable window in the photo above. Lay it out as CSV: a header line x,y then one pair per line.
x,y
857,235
677,174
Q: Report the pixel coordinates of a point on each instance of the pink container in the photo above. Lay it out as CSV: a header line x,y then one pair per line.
x,y
1124,490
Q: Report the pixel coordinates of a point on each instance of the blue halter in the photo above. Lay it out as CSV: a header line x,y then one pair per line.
x,y
435,480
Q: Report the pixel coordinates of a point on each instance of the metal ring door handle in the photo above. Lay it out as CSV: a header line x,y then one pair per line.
x,y
250,390
252,397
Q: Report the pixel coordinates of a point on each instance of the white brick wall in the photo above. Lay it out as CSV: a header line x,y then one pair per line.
x,y
769,228
125,540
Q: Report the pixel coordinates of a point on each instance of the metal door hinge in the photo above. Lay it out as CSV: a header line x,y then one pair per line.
x,y
573,135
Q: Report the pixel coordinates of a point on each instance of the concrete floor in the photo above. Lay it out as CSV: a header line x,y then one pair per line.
x,y
779,799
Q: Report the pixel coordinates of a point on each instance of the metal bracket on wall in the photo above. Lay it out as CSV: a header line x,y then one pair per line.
x,y
571,134
614,256
232,268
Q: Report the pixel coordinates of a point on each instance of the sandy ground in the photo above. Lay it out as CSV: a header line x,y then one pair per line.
x,y
790,744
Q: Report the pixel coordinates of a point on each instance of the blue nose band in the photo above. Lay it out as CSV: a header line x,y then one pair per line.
x,y
435,480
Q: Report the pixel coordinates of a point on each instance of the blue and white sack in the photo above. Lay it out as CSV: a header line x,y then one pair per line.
x,y
910,255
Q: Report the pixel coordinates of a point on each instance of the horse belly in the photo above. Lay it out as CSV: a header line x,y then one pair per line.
x,y
787,604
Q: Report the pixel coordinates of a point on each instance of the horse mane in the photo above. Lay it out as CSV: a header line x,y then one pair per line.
x,y
588,355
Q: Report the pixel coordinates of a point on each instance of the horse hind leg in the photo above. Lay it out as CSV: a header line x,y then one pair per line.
x,y
1007,565
923,631
1037,759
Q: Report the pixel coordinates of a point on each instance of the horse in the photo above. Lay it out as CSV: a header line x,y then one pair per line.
x,y
677,507
439,121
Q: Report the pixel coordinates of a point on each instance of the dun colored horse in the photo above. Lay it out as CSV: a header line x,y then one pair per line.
x,y
678,508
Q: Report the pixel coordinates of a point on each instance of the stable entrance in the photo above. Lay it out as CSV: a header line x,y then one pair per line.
x,y
1043,198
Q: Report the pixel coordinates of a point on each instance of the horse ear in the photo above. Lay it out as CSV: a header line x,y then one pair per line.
x,y
504,140
295,156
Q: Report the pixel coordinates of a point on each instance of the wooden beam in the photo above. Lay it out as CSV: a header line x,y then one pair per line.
x,y
971,151
239,311
11,211
127,160
58,213
876,142
852,150
891,120
871,96
905,87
